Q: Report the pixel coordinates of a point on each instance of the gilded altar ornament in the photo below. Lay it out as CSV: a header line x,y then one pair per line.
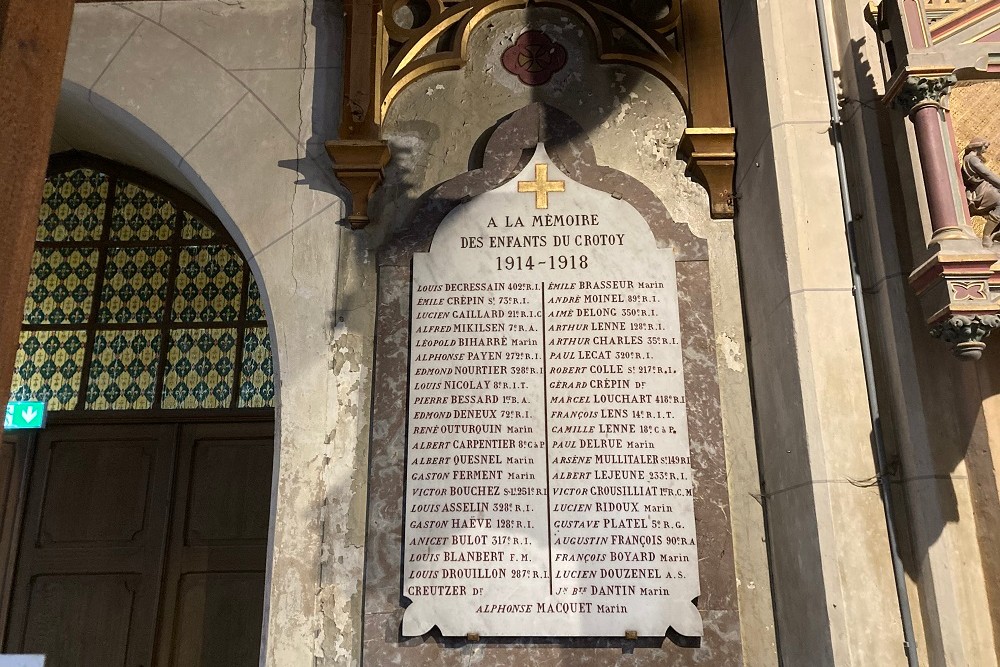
x,y
982,187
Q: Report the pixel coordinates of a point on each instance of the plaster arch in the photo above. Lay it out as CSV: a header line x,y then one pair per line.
x,y
218,101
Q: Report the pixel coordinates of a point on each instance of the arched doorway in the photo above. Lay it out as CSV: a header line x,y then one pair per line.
x,y
135,532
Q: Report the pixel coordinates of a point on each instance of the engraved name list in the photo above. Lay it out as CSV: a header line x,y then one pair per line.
x,y
549,488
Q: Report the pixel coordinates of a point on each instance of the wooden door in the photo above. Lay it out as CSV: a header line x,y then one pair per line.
x,y
86,584
214,585
144,544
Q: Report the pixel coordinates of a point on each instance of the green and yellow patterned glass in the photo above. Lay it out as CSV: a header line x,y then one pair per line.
x,y
209,284
257,385
141,215
255,308
48,367
61,286
135,285
193,228
200,369
73,206
128,313
123,370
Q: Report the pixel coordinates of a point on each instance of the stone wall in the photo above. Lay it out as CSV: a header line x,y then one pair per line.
x,y
231,102
831,572
941,428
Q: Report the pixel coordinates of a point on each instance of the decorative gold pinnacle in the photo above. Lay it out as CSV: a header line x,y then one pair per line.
x,y
541,186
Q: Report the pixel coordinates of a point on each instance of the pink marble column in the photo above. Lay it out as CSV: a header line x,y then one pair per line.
x,y
921,97
32,49
936,166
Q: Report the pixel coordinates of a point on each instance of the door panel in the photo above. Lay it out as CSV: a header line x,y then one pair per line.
x,y
92,547
218,546
15,455
87,616
230,497
96,493
143,545
218,619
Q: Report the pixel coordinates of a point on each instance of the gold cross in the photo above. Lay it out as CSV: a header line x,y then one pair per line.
x,y
541,186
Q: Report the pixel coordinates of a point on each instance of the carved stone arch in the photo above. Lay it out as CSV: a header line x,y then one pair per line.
x,y
682,47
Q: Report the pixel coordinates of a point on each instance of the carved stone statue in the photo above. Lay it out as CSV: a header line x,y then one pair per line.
x,y
982,187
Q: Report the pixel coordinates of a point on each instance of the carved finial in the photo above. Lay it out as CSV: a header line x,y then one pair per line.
x,y
965,333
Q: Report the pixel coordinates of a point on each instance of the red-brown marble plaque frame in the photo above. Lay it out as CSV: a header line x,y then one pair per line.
x,y
507,152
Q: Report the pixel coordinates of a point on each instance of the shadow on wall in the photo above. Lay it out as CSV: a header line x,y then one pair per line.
x,y
313,164
315,167
952,398
511,81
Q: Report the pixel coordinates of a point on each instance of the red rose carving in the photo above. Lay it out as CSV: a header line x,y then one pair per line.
x,y
534,58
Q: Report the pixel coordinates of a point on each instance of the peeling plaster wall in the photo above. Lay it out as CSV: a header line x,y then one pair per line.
x,y
437,129
231,102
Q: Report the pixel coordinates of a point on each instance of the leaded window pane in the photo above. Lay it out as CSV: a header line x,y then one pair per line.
x,y
141,215
209,285
135,285
123,370
193,228
257,387
73,206
48,367
255,308
61,285
136,303
200,369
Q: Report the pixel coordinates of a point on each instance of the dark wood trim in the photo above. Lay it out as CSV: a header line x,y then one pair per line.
x,y
95,297
16,458
151,243
241,342
168,316
155,416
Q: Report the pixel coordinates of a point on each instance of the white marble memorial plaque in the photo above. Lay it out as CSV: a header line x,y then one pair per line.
x,y
549,488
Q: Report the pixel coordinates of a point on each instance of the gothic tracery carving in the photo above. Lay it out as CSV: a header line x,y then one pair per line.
x,y
391,44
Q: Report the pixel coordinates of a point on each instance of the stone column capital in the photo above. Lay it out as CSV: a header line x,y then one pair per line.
x,y
920,91
965,333
958,294
912,90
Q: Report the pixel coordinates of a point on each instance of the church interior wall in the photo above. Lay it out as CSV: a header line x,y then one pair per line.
x,y
231,103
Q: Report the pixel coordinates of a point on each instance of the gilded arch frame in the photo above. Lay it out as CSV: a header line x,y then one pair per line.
x,y
683,48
